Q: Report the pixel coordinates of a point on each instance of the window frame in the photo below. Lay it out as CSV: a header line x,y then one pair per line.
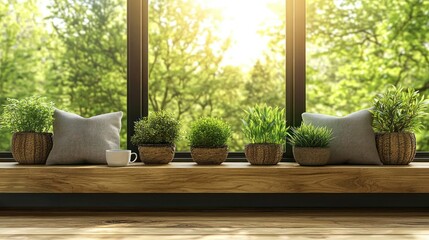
x,y
293,73
136,65
300,7
138,77
295,76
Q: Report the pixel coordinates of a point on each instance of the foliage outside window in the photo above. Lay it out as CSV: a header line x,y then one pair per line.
x,y
357,48
211,58
215,58
72,52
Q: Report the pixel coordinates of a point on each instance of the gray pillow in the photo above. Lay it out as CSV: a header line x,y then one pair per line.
x,y
354,138
79,140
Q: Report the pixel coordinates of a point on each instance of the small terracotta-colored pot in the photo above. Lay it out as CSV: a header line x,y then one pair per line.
x,y
31,148
264,153
209,156
157,153
309,156
396,148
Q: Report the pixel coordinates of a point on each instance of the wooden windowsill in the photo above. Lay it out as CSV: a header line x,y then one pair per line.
x,y
226,178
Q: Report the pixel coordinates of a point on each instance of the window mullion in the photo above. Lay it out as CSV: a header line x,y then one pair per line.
x,y
137,64
295,64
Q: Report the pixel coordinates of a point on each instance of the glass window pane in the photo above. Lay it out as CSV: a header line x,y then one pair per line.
x,y
216,58
357,47
72,51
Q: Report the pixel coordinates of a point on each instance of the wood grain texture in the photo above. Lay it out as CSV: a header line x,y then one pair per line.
x,y
226,178
216,237
287,224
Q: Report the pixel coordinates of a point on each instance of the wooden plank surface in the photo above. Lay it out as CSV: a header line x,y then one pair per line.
x,y
226,178
288,224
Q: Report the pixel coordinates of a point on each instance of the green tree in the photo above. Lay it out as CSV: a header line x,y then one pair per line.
x,y
23,44
185,55
356,48
92,69
186,75
265,85
266,82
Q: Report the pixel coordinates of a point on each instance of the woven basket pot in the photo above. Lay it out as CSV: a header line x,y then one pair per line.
x,y
264,154
31,148
309,156
157,153
396,148
209,156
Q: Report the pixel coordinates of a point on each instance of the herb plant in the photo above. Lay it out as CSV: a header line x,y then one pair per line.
x,y
158,128
209,133
31,114
398,110
264,124
308,135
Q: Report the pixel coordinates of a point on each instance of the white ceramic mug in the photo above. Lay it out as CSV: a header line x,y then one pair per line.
x,y
119,158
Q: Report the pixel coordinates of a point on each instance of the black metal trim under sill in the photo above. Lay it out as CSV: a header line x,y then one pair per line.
x,y
136,202
232,157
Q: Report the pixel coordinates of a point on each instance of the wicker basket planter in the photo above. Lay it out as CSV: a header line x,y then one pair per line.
x,y
309,156
396,148
157,153
209,156
264,154
31,148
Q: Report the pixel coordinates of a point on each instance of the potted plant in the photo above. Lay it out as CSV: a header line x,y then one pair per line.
x,y
265,128
310,144
208,138
155,137
30,120
397,113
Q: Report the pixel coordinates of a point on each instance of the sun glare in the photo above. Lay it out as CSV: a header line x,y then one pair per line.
x,y
242,21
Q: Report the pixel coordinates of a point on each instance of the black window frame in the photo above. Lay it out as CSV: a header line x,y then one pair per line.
x,y
137,29
295,75
138,77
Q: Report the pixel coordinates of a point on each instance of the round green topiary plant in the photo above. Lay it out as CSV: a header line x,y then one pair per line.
x,y
309,136
264,124
398,110
209,132
158,128
31,114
